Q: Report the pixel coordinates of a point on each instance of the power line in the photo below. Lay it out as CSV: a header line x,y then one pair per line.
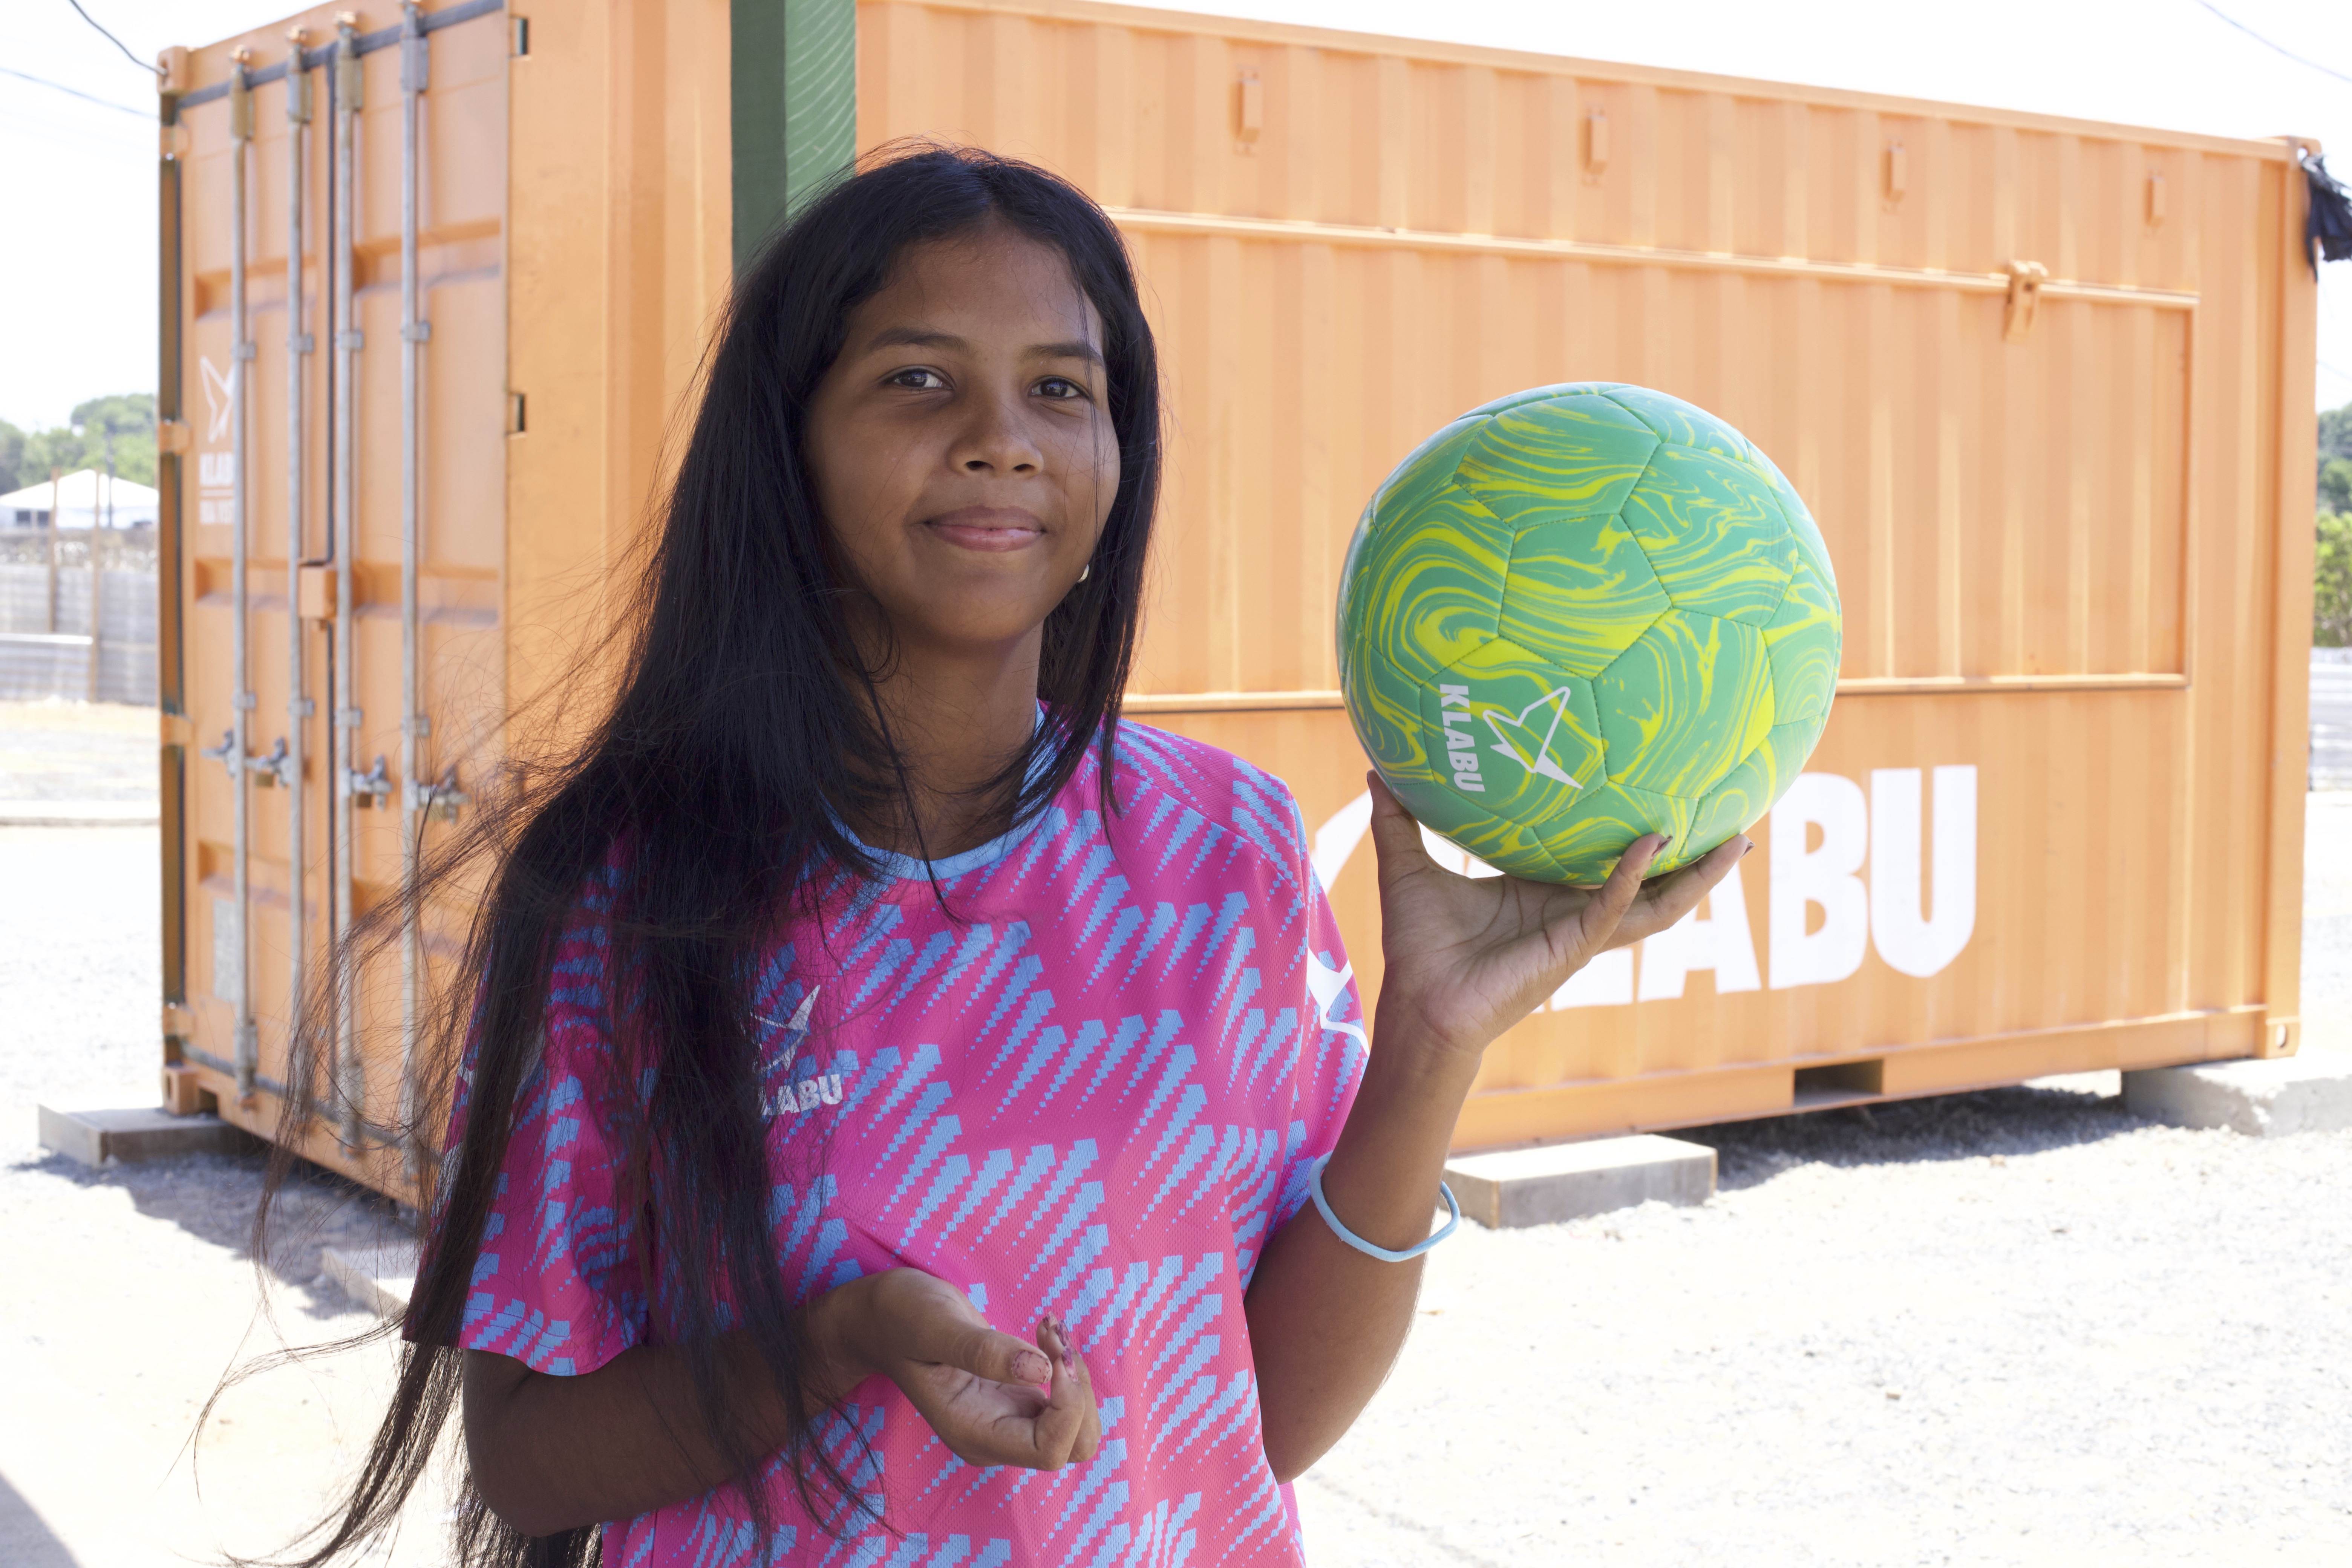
x,y
111,38
2277,48
86,98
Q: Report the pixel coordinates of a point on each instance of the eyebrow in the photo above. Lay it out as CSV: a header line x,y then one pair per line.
x,y
922,338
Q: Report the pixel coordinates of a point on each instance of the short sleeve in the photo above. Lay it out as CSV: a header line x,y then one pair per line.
x,y
558,1282
1327,1062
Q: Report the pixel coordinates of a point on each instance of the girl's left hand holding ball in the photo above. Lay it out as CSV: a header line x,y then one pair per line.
x,y
994,1399
1468,957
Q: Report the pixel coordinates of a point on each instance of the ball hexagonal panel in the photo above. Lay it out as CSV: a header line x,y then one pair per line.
x,y
1587,841
1566,457
1579,593
1426,469
1742,798
1681,707
1802,641
1684,424
1712,534
1429,588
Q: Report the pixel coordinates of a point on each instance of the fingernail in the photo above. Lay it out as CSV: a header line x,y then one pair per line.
x,y
1746,848
1031,1367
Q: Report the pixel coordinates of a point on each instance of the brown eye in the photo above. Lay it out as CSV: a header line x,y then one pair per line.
x,y
917,379
1060,388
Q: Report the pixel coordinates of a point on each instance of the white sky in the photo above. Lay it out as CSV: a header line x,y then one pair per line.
x,y
77,289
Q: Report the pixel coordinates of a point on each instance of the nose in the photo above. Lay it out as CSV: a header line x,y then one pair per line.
x,y
996,439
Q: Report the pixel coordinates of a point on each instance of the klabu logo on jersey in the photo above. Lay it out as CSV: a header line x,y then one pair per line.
x,y
806,1095
793,1097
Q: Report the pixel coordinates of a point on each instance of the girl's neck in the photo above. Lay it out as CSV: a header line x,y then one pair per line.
x,y
959,717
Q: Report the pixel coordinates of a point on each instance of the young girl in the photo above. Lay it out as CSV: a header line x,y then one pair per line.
x,y
910,1115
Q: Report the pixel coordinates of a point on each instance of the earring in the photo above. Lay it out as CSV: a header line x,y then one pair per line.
x,y
1086,572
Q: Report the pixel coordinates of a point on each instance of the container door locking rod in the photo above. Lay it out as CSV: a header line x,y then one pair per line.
x,y
344,86
299,705
415,63
241,131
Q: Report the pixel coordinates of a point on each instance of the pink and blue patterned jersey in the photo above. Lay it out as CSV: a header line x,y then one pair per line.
x,y
1092,1086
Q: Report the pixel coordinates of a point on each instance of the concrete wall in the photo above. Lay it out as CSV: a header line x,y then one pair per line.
x,y
41,658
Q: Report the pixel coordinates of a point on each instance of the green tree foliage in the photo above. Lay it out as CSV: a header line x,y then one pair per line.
x,y
2335,485
2331,600
12,457
27,456
2334,435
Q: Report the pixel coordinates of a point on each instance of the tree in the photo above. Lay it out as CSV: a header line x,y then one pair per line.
x,y
2335,485
121,427
2334,435
2331,599
27,457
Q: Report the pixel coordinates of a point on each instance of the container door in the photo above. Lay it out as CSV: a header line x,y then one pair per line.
x,y
339,263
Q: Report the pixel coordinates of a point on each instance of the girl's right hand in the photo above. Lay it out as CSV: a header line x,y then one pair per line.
x,y
979,1389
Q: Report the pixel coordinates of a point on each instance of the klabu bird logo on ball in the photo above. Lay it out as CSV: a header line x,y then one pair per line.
x,y
1580,614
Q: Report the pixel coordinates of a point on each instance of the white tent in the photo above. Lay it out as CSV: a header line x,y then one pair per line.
x,y
85,499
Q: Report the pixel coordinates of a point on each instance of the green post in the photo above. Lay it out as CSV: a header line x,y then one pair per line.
x,y
793,116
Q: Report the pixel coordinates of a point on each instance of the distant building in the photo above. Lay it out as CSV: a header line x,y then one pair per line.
x,y
86,498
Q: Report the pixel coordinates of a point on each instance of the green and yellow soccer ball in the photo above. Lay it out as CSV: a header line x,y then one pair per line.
x,y
1581,614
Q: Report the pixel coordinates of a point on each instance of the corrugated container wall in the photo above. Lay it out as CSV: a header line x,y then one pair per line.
x,y
2040,380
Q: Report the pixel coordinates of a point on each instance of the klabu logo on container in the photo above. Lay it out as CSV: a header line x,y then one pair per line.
x,y
1848,873
793,1097
1817,840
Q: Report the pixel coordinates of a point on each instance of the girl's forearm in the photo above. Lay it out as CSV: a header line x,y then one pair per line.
x,y
551,1453
1325,1321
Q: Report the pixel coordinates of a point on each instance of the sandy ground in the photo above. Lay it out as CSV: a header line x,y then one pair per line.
x,y
2012,1327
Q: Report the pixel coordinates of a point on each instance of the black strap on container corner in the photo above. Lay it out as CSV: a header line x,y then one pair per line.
x,y
312,59
2327,222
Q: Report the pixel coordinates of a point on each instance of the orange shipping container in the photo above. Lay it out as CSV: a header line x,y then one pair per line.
x,y
2042,381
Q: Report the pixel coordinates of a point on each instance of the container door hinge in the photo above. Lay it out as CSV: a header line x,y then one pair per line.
x,y
2025,281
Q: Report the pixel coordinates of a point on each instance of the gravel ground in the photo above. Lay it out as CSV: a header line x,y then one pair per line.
x,y
126,1293
77,751
2017,1326
2010,1327
2327,903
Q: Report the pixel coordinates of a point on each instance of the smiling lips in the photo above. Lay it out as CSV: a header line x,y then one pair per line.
x,y
990,528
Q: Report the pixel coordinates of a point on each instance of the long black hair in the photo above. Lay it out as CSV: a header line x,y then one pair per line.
x,y
743,728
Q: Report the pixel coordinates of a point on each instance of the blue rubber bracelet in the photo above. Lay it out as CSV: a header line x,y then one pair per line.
x,y
1323,1207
